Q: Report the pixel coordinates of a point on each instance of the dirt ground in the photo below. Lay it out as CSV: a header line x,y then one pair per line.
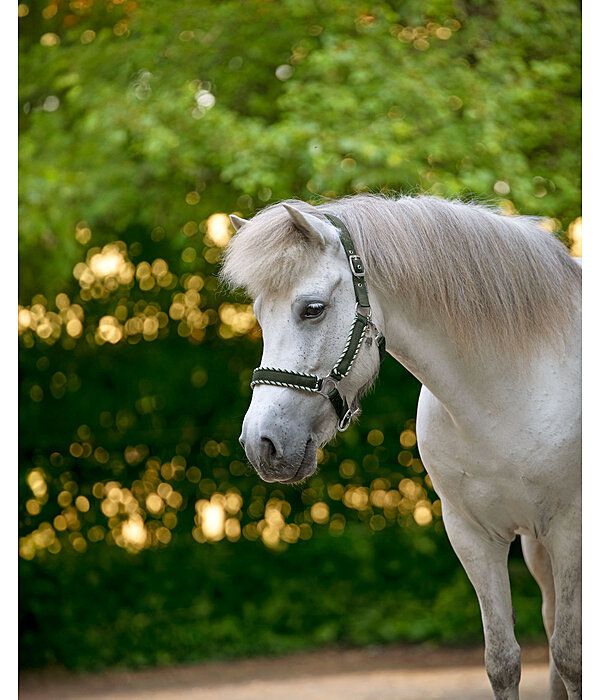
x,y
389,673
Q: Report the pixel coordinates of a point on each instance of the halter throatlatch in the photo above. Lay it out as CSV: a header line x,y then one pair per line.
x,y
328,386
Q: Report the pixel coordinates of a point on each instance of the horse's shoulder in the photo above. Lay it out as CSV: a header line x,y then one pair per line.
x,y
433,420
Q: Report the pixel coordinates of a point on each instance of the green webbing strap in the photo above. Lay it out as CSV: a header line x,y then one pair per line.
x,y
356,264
381,347
339,403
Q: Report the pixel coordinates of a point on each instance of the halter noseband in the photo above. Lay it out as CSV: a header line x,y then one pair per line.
x,y
328,386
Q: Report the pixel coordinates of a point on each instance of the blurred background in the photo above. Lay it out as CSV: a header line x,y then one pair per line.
x,y
145,537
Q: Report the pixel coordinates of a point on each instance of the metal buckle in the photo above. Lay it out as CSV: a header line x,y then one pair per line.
x,y
367,316
344,423
358,269
322,389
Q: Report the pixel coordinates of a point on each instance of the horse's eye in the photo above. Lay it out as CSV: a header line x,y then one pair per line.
x,y
313,310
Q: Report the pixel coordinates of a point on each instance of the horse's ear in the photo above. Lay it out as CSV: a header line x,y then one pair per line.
x,y
313,227
237,221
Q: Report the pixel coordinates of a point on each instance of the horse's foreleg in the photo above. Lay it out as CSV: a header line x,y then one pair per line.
x,y
564,547
485,561
538,561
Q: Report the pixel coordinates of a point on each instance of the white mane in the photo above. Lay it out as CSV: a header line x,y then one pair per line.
x,y
490,279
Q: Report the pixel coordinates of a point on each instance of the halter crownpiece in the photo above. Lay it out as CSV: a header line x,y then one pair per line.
x,y
328,386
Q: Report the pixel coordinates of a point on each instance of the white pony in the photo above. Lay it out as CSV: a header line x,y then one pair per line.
x,y
484,310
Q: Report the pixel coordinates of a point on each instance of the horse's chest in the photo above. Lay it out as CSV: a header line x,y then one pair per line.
x,y
479,474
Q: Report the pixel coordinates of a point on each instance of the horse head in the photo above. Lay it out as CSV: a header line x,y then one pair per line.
x,y
305,325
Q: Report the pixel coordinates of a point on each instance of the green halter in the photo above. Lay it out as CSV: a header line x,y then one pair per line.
x,y
327,386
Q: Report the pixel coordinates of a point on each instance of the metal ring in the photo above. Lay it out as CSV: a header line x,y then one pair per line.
x,y
344,423
357,307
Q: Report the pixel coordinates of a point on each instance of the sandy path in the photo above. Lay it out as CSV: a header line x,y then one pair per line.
x,y
390,673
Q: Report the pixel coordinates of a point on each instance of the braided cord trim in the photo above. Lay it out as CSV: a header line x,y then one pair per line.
x,y
335,371
287,371
274,382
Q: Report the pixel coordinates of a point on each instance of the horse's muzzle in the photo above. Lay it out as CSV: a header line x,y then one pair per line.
x,y
272,464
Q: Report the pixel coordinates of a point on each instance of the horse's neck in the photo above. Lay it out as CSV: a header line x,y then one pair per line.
x,y
429,356
469,388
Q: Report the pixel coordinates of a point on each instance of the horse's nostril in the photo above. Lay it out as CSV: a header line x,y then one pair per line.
x,y
267,450
242,443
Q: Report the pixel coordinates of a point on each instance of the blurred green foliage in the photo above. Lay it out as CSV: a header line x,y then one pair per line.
x,y
141,121
234,600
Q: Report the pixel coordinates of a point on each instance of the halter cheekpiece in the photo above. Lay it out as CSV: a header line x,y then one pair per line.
x,y
328,386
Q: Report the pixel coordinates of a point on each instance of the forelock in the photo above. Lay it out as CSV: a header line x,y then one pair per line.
x,y
267,254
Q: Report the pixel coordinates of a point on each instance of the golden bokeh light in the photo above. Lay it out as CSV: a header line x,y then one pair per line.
x,y
37,483
575,237
319,512
47,325
82,504
422,513
347,468
109,330
87,36
154,503
408,439
33,507
49,38
236,319
108,263
375,437
212,519
218,229
104,270
134,533
192,198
